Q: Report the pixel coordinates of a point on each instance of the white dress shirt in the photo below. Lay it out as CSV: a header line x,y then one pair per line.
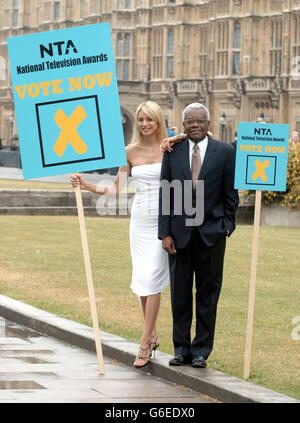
x,y
202,149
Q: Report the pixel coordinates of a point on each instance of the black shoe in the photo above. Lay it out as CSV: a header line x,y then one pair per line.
x,y
199,362
179,360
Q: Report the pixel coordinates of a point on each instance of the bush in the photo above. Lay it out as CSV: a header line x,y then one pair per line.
x,y
291,197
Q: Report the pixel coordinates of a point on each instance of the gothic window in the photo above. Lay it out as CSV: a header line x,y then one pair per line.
x,y
170,67
124,4
275,46
119,68
126,70
222,48
15,13
296,39
170,54
237,35
56,10
236,48
203,50
123,56
127,45
170,41
157,53
119,45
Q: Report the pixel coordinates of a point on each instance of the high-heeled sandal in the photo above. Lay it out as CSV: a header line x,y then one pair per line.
x,y
155,344
142,356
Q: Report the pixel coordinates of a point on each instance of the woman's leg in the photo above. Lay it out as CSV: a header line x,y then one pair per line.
x,y
150,307
144,307
143,304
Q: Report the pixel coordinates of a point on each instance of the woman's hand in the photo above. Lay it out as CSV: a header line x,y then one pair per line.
x,y
77,180
167,143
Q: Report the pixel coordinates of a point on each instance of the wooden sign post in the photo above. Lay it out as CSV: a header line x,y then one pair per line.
x,y
252,285
261,164
90,284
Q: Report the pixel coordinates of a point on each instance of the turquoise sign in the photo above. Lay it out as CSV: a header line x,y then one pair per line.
x,y
261,156
66,100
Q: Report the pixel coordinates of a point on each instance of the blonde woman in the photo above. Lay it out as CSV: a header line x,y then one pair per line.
x,y
150,273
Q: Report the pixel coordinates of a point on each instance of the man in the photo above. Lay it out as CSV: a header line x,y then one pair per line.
x,y
295,137
171,133
197,250
234,143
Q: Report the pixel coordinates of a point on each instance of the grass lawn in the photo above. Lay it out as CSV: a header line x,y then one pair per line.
x,y
20,184
41,263
25,184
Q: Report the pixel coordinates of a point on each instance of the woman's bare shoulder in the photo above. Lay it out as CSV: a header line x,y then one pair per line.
x,y
130,147
131,150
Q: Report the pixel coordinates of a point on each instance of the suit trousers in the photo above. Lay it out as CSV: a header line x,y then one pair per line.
x,y
205,265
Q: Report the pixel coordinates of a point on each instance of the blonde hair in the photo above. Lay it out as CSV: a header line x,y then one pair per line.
x,y
154,111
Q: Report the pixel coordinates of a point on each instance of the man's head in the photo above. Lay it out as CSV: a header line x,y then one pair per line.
x,y
196,121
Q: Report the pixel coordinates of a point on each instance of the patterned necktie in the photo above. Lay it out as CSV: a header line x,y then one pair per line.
x,y
196,164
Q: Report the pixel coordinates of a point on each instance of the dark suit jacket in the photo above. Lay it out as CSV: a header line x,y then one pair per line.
x,y
220,197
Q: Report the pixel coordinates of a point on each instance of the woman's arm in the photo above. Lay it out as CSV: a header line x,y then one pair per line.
x,y
119,182
114,189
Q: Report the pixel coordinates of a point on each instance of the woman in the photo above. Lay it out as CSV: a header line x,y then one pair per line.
x,y
150,273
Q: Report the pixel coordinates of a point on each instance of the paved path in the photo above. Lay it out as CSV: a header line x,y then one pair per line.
x,y
67,348
37,368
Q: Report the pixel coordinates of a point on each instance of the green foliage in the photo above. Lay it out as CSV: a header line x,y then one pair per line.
x,y
291,197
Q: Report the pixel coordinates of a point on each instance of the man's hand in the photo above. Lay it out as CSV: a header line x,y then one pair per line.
x,y
167,143
169,245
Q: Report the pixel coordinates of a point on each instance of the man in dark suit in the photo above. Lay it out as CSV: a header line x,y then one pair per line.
x,y
196,250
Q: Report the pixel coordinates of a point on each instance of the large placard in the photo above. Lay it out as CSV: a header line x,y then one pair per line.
x,y
66,99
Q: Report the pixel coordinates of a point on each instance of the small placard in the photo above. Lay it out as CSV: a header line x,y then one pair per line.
x,y
261,156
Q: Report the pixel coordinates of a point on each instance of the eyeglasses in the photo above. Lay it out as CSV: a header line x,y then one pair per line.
x,y
190,122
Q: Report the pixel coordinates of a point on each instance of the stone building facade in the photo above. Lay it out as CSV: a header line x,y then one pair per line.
x,y
239,57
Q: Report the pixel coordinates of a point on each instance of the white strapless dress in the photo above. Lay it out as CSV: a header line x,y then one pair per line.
x,y
150,271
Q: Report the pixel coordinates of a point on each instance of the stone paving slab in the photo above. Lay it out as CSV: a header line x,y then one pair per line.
x,y
43,369
212,383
